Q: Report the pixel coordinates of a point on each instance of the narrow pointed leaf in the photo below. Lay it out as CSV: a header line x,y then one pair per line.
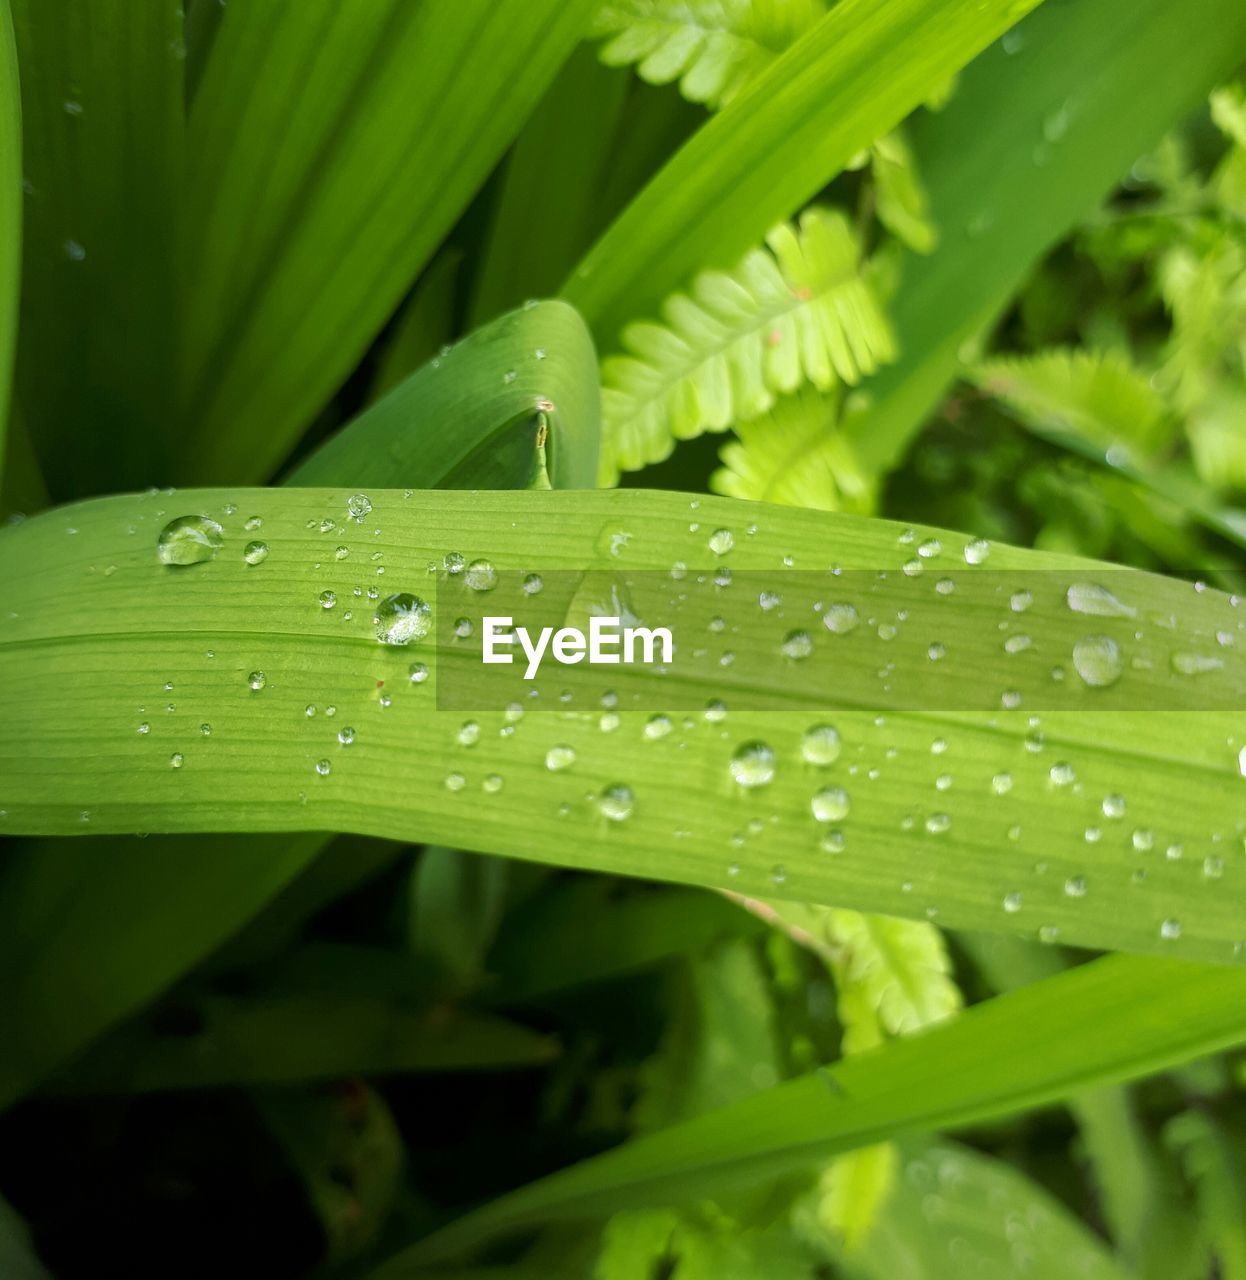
x,y
1103,807
371,128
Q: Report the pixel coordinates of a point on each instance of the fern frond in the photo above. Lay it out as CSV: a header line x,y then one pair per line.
x,y
896,971
1100,396
712,47
899,194
1211,1153
799,310
794,456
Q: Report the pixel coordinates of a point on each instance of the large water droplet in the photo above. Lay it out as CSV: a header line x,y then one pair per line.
x,y
481,576
559,757
616,802
255,552
831,804
189,540
402,618
753,764
721,541
1097,659
1096,601
359,505
840,618
821,745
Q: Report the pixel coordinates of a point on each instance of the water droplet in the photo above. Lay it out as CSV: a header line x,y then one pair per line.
x,y
831,804
753,764
616,802
532,584
715,711
189,540
1012,903
1020,601
206,730
358,505
1213,867
492,783
1097,659
1001,784
1143,840
930,548
402,618
657,726
977,551
936,652
256,680
463,628
73,250
832,841
346,735
1114,806
455,782
840,618
481,576
1170,930
558,757
721,541
144,728
1075,887
796,645
1062,774
468,734
820,745
1095,601
938,823
1195,664
1017,644
176,760
327,599
255,552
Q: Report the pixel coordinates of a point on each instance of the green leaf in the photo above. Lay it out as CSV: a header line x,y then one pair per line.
x,y
1100,395
521,394
373,126
712,47
1069,121
10,214
103,143
978,815
794,455
840,87
1115,1019
424,325
17,1256
800,312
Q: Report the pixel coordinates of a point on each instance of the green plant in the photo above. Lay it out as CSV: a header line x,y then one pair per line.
x,y
778,952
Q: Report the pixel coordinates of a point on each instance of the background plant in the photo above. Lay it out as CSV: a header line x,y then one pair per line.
x,y
930,262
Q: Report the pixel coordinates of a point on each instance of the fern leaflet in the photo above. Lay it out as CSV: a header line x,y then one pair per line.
x,y
799,311
794,456
712,47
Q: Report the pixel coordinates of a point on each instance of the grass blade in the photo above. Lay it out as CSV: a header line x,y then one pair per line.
x,y
1010,1054
978,816
103,145
381,122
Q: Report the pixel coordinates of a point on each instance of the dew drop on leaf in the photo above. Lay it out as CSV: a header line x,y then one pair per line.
x,y
402,618
1097,659
840,618
189,540
255,552
831,804
721,541
559,757
820,745
481,576
616,802
256,680
359,505
1095,601
753,764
